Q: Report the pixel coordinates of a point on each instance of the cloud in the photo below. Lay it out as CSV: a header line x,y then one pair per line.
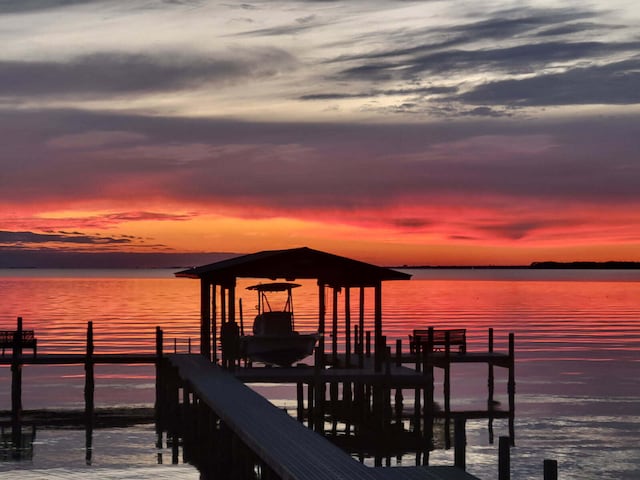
x,y
614,84
27,6
511,60
13,238
131,73
293,167
439,90
472,57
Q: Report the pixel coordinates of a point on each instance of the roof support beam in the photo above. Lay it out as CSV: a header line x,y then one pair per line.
x,y
205,318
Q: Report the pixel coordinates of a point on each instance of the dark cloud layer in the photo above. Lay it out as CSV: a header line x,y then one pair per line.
x,y
12,238
564,50
125,73
614,84
293,166
22,6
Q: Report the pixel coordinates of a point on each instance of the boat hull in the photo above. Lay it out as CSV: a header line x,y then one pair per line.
x,y
282,350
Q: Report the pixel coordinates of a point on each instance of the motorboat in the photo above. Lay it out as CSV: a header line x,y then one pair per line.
x,y
275,340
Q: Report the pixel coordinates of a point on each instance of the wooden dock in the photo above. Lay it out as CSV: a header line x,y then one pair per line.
x,y
280,445
227,430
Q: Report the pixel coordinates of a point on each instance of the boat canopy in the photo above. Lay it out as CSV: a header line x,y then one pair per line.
x,y
273,287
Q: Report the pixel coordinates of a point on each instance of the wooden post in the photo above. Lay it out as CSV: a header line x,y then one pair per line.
x,y
398,352
234,359
205,318
223,320
511,387
460,443
310,408
321,315
89,381
347,326
16,379
429,389
447,388
319,393
377,329
504,458
367,347
550,469
334,328
214,324
417,393
160,386
361,321
300,401
490,381
387,356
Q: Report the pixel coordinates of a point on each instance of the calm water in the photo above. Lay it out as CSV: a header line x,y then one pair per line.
x,y
577,361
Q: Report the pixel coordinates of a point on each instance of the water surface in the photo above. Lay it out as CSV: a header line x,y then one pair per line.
x,y
577,362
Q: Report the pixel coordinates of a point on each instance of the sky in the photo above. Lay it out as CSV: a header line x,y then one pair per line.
x,y
397,132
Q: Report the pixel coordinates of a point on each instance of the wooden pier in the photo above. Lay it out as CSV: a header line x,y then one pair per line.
x,y
229,431
232,432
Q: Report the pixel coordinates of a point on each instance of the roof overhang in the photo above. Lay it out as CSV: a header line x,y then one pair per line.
x,y
295,263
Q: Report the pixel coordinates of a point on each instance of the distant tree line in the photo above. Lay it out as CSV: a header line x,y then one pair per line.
x,y
587,265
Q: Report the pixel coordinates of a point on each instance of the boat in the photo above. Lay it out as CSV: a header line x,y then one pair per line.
x,y
275,340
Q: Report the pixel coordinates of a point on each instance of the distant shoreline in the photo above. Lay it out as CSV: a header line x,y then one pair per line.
x,y
609,265
547,265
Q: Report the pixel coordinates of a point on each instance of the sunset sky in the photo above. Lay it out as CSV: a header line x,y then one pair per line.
x,y
396,132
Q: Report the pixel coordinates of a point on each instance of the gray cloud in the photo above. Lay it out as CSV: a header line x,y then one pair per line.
x,y
22,6
378,93
520,25
292,167
13,238
120,73
506,44
517,59
615,83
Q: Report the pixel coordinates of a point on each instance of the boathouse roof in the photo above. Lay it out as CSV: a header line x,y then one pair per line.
x,y
295,263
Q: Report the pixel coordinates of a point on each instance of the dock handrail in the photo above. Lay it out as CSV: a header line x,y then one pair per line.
x,y
27,339
439,338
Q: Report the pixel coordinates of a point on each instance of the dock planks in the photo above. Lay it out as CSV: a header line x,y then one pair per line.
x,y
290,449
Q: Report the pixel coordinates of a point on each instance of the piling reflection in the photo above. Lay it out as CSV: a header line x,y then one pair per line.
x,y
218,453
16,442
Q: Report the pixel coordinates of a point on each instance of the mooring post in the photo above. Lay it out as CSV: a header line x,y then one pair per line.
x,y
16,381
512,388
334,328
490,380
347,327
398,352
417,393
300,401
504,458
319,391
160,380
550,470
368,344
460,443
429,388
89,382
447,389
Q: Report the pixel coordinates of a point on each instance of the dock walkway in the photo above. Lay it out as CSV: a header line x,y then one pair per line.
x,y
287,447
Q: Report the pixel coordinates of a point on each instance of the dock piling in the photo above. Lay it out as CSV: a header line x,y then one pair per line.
x,y
16,377
550,469
460,443
504,458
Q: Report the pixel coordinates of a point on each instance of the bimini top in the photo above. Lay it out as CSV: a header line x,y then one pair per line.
x,y
295,263
273,286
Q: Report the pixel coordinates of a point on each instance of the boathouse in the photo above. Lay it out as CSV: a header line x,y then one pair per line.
x,y
218,289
